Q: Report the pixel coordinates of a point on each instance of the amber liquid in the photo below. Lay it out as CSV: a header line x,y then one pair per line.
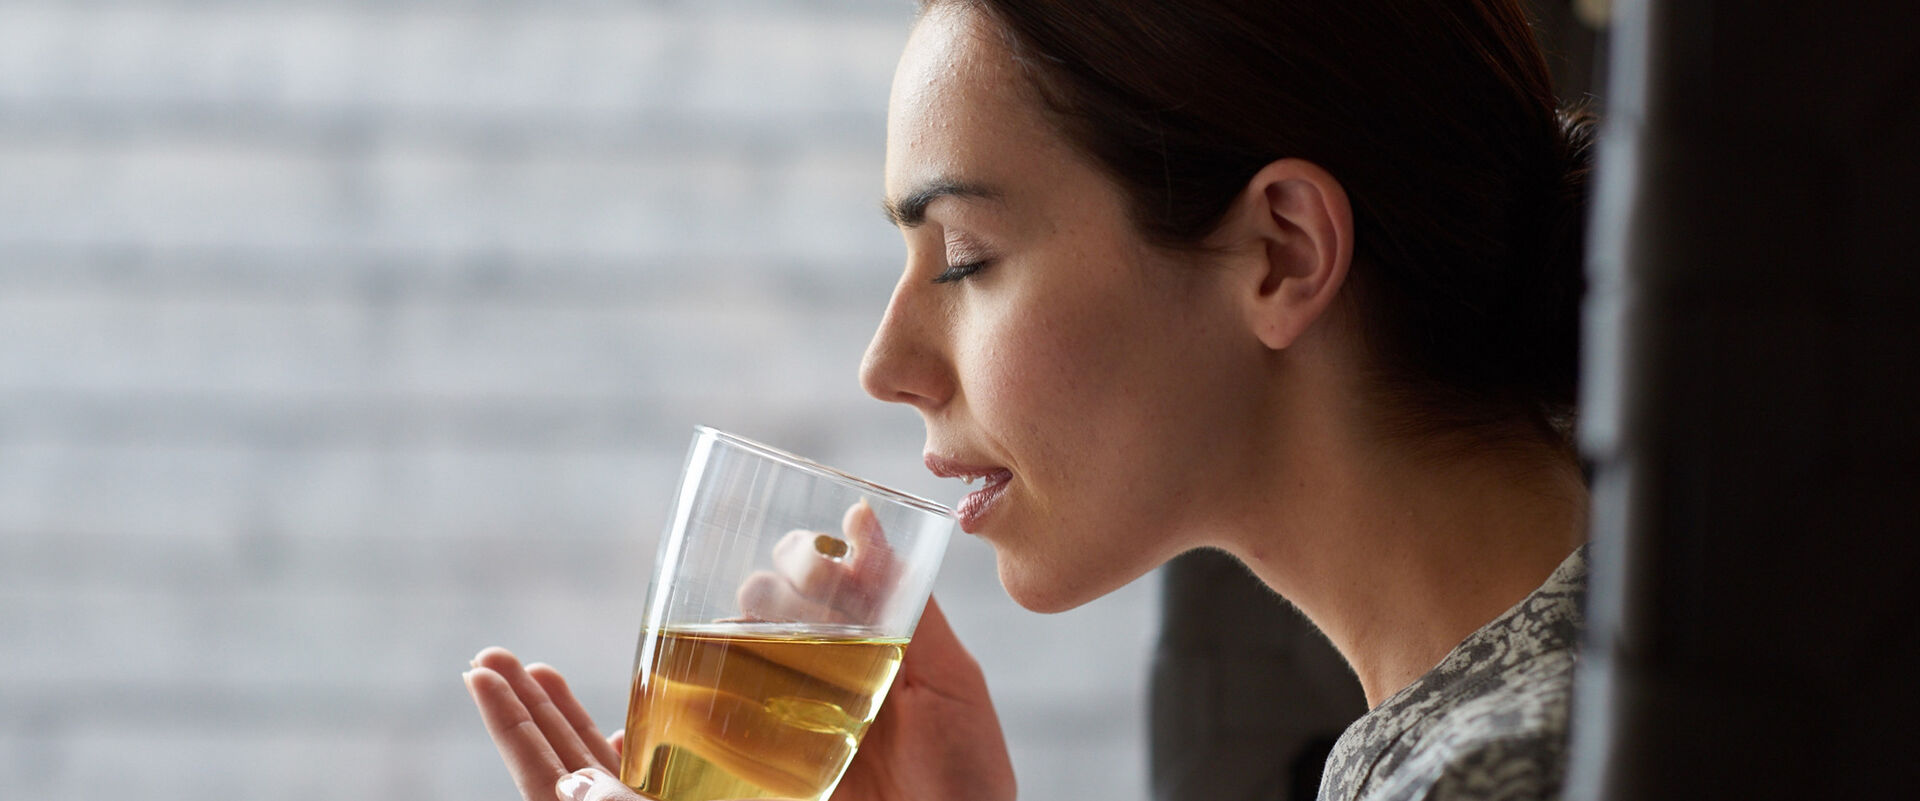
x,y
747,711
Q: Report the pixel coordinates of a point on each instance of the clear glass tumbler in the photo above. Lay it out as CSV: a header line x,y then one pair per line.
x,y
783,599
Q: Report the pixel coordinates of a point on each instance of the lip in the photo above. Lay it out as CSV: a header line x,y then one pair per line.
x,y
974,507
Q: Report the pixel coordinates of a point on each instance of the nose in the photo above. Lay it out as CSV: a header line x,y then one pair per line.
x,y
906,361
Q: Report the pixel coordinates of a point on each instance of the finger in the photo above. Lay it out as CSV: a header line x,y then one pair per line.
x,y
593,785
576,715
618,742
766,596
529,759
798,559
560,734
872,556
873,565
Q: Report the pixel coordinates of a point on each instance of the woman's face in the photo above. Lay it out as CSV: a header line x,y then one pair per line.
x,y
1102,389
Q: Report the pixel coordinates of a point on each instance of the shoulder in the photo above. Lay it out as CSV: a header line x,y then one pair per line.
x,y
1507,743
1488,722
1515,768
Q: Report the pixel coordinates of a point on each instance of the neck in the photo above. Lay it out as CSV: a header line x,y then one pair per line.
x,y
1398,558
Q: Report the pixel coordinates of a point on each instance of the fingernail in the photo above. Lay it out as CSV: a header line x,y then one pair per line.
x,y
575,786
829,546
475,661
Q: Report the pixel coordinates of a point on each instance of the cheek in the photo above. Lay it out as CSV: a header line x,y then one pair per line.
x,y
1036,376
1064,394
1095,407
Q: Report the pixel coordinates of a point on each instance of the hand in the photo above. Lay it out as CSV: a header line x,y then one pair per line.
x,y
818,579
936,737
549,743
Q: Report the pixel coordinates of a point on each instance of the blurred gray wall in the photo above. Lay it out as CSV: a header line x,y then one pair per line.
x,y
340,339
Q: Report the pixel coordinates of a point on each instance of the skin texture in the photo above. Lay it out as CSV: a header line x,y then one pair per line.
x,y
1074,353
1149,402
1145,403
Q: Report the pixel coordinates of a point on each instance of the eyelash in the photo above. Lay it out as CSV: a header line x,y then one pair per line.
x,y
960,272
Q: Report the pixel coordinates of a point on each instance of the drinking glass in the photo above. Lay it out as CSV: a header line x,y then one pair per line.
x,y
783,598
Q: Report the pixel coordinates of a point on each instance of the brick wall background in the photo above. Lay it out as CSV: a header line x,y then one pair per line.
x,y
340,339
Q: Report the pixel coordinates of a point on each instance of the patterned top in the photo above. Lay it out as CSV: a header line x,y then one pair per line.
x,y
1488,723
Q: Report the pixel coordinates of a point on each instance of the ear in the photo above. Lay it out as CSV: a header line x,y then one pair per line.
x,y
1291,233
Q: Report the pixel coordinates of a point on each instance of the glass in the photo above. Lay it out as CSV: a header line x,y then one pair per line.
x,y
783,598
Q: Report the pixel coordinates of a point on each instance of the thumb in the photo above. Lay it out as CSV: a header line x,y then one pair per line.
x,y
936,657
593,784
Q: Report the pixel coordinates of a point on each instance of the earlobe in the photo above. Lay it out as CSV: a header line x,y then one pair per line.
x,y
1301,221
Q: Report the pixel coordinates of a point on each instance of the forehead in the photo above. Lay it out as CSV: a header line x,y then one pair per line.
x,y
961,108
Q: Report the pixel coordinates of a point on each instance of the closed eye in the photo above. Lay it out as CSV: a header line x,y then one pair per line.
x,y
959,272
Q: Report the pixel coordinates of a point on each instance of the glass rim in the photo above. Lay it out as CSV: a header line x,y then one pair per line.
x,y
810,466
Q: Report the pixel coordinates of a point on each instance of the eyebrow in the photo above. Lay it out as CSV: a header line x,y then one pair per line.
x,y
911,211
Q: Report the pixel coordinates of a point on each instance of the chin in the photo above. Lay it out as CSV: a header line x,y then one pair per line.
x,y
1037,589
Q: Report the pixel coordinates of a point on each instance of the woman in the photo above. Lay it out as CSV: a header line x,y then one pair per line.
x,y
1296,280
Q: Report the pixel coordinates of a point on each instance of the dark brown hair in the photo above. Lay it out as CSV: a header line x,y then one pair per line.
x,y
1436,116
